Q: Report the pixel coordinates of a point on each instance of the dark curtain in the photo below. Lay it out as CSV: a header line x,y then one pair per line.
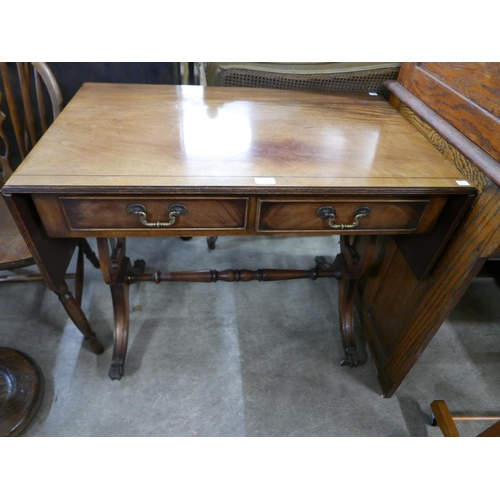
x,y
70,76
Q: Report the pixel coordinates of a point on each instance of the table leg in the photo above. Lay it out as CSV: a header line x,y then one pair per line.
x,y
347,287
52,256
120,297
355,257
78,317
115,267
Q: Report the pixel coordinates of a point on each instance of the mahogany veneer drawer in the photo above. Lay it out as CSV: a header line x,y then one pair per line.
x,y
65,214
391,216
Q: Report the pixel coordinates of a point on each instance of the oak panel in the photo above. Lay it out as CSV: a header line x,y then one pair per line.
x,y
467,95
470,171
478,82
405,322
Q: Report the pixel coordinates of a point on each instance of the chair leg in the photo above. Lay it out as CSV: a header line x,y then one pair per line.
x,y
79,276
89,253
211,242
444,419
83,249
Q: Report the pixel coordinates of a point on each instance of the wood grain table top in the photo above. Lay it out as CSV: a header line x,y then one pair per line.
x,y
126,136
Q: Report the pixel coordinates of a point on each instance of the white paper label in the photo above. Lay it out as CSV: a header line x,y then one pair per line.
x,y
462,183
265,180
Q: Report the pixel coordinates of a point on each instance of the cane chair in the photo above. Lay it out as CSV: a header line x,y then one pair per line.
x,y
329,77
23,124
442,417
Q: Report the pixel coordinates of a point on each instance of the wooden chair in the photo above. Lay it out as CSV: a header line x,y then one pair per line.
x,y
446,421
28,121
329,77
21,380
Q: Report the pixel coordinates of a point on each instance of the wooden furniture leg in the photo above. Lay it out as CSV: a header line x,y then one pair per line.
x,y
78,317
89,253
119,274
444,419
115,267
83,250
52,256
120,297
355,257
79,276
347,287
211,241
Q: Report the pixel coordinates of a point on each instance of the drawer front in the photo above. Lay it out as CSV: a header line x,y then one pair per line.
x,y
389,216
194,213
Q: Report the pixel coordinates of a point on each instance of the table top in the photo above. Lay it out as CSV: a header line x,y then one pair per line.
x,y
124,136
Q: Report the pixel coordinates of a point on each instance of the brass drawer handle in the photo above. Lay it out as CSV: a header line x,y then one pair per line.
x,y
174,211
329,213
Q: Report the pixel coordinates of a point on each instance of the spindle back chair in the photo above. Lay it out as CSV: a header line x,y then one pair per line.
x,y
26,89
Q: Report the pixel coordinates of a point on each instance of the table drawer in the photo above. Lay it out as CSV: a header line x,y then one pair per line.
x,y
391,216
162,212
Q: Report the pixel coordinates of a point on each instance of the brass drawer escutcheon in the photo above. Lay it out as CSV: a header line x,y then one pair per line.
x,y
173,212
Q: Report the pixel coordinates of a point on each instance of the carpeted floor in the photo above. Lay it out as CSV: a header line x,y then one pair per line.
x,y
242,359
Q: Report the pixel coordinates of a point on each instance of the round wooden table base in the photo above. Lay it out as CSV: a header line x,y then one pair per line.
x,y
21,391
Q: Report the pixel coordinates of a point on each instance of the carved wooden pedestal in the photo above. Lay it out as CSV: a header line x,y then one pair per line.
x,y
348,267
355,257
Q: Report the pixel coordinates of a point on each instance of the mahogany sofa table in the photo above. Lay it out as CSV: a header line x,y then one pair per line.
x,y
155,160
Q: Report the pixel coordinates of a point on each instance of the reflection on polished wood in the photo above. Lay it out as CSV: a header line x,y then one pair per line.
x,y
240,161
157,136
